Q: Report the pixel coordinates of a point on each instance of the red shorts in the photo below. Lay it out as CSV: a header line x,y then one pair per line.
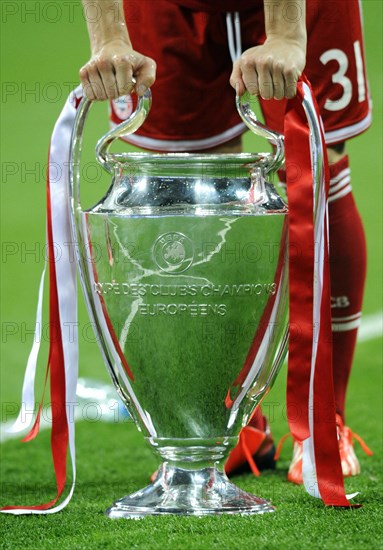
x,y
193,102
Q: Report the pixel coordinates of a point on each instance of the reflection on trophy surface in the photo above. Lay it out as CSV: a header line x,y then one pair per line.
x,y
183,266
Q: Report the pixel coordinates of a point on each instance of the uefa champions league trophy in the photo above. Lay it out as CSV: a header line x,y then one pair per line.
x,y
184,273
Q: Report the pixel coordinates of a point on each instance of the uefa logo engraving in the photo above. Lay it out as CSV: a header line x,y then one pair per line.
x,y
173,252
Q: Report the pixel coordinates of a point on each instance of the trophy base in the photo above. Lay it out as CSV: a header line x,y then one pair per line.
x,y
191,493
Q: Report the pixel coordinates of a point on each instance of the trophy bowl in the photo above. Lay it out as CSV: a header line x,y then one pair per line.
x,y
183,268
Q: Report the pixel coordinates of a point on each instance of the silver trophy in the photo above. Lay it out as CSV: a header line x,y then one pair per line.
x,y
184,271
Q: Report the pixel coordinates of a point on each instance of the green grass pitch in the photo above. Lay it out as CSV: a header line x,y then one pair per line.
x,y
42,48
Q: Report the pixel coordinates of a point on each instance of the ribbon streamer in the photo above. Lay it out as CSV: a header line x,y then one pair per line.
x,y
310,393
63,353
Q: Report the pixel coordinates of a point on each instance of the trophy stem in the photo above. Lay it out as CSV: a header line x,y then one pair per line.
x,y
193,453
195,486
191,493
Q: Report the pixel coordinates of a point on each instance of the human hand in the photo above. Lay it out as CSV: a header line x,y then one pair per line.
x,y
115,70
271,70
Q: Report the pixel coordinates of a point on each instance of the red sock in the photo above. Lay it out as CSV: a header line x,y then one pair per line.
x,y
348,272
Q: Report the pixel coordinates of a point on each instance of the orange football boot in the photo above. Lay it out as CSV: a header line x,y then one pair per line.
x,y
254,451
349,461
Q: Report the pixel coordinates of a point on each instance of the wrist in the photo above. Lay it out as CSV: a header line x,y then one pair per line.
x,y
116,41
293,38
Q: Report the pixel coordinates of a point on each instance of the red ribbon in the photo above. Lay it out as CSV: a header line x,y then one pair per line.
x,y
299,180
59,437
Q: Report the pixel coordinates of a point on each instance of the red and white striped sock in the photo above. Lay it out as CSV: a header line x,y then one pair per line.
x,y
348,272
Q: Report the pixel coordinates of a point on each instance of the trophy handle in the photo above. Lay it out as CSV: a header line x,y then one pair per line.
x,y
318,164
250,119
106,160
126,128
